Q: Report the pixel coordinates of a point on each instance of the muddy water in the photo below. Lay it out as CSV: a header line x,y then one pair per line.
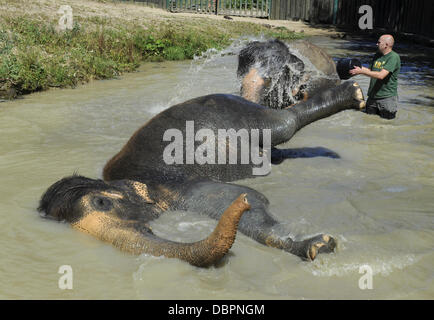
x,y
376,198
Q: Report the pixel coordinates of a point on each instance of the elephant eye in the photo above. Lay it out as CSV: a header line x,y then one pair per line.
x,y
102,203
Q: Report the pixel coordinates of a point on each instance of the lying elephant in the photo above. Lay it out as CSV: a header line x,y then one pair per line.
x,y
118,213
279,75
139,185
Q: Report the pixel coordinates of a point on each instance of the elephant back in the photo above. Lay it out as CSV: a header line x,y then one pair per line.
x,y
317,56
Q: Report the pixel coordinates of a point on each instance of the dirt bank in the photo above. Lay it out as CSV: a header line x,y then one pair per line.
x,y
142,14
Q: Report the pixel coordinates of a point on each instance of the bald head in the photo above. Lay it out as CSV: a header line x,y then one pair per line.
x,y
388,39
385,43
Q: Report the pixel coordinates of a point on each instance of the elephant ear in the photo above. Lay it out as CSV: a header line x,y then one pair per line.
x,y
142,190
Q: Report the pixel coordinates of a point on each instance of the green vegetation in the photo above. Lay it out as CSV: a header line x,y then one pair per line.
x,y
35,56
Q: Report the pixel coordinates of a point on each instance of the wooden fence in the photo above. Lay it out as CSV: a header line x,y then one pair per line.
x,y
408,16
412,16
247,8
150,3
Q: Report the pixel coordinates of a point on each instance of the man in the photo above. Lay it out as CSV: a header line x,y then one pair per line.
x,y
383,88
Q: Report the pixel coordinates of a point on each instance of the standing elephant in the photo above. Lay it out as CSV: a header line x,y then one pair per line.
x,y
139,184
279,75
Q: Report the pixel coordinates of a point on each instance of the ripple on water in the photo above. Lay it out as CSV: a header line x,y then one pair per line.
x,y
324,267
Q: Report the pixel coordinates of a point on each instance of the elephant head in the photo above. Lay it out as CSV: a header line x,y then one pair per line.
x,y
117,212
278,75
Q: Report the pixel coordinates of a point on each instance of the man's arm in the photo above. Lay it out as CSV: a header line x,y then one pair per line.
x,y
368,72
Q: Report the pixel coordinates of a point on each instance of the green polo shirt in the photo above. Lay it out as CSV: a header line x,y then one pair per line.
x,y
388,87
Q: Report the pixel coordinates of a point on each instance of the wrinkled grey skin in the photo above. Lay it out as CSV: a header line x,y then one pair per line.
x,y
139,185
278,75
204,188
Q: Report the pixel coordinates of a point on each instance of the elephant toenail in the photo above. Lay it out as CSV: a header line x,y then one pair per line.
x,y
319,245
312,252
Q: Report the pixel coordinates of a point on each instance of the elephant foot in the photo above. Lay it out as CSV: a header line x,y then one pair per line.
x,y
309,249
358,96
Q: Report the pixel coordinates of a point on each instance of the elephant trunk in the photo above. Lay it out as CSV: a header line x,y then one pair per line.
x,y
347,95
318,84
204,253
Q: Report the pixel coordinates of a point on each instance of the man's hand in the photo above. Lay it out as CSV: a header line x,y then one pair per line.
x,y
368,72
356,70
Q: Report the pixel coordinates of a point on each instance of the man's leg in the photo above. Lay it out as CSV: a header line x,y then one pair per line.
x,y
371,106
388,107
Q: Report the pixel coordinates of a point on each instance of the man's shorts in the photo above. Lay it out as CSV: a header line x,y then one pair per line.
x,y
385,108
